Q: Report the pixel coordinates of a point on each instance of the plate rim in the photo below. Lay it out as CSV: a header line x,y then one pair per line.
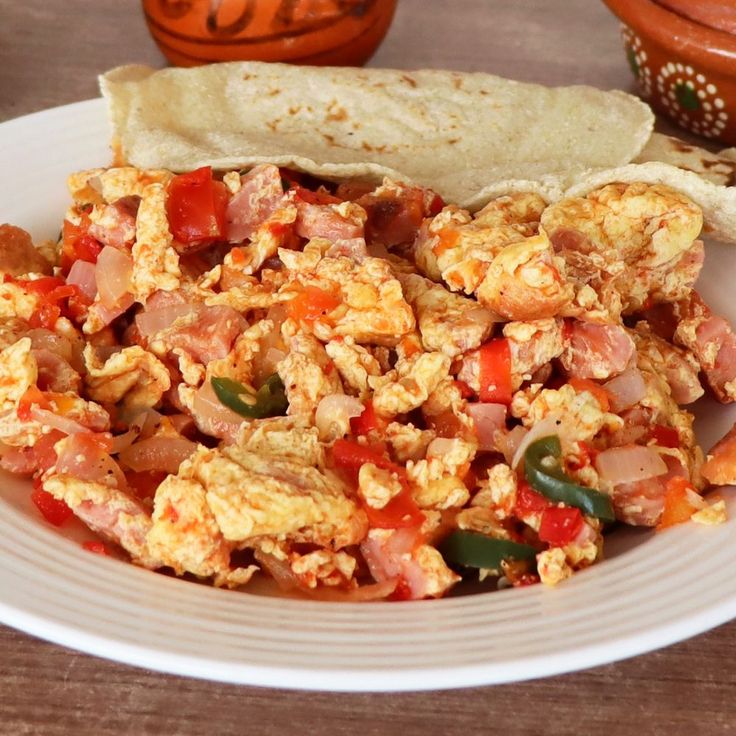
x,y
377,679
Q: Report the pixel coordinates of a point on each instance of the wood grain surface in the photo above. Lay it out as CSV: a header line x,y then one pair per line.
x,y
50,53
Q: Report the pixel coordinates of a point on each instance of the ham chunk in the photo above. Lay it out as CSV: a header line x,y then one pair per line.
x,y
259,195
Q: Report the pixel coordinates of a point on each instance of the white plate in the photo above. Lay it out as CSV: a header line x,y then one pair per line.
x,y
653,590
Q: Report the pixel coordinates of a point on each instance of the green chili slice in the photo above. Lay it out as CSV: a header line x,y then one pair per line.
x,y
544,472
269,401
470,549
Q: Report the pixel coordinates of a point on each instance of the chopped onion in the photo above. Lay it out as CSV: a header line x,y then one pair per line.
x,y
107,314
489,419
629,464
508,442
548,426
334,413
113,274
214,418
155,320
626,390
82,274
158,453
55,421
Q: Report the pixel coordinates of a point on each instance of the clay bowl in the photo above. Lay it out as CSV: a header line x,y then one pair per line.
x,y
322,32
685,70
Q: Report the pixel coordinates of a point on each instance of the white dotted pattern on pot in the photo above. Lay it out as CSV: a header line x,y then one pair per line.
x,y
691,99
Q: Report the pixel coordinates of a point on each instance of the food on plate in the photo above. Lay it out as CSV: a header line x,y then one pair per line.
x,y
363,391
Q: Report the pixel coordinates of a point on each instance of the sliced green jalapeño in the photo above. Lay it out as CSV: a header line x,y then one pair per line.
x,y
269,401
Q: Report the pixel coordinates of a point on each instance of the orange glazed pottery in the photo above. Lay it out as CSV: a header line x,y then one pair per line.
x,y
329,32
685,70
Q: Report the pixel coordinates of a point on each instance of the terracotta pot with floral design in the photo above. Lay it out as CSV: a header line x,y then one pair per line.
x,y
685,70
339,32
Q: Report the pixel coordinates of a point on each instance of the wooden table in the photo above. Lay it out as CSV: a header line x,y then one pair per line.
x,y
50,53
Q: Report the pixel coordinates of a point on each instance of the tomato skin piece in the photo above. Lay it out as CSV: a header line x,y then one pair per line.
x,y
495,372
600,394
366,422
528,501
399,513
195,207
665,436
350,455
311,303
55,511
560,525
677,506
97,548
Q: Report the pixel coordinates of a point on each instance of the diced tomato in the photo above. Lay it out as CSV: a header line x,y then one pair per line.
x,y
238,256
144,483
350,455
448,239
560,525
436,204
97,547
677,506
528,501
321,196
495,372
665,436
402,591
366,422
31,396
77,244
465,391
43,451
311,304
196,206
45,316
586,456
400,512
56,512
600,394
446,424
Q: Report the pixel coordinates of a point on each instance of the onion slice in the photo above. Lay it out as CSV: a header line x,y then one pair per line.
x,y
155,320
548,426
157,453
334,413
113,274
626,390
629,464
83,275
489,420
56,421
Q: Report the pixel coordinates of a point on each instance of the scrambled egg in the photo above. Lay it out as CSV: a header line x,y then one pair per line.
x,y
155,262
132,377
18,372
308,375
252,495
409,385
354,363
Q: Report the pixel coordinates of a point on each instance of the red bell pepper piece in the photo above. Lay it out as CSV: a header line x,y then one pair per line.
x,y
195,206
665,436
528,501
560,525
55,511
495,372
366,422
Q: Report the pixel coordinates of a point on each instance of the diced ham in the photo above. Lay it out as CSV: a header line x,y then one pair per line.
x,y
55,373
328,221
641,503
116,224
260,193
597,350
18,255
713,343
211,337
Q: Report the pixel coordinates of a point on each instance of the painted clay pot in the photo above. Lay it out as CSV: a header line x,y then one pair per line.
x,y
718,14
685,70
323,32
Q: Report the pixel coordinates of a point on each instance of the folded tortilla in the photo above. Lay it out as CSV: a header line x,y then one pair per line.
x,y
470,137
